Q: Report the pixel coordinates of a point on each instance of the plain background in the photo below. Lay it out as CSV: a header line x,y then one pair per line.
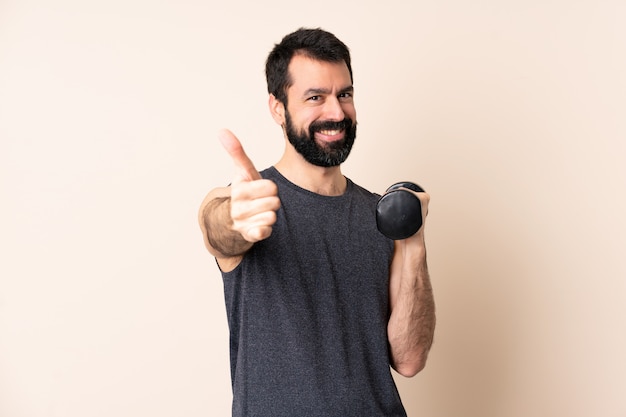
x,y
510,113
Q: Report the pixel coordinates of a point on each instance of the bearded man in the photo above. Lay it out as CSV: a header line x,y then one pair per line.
x,y
320,304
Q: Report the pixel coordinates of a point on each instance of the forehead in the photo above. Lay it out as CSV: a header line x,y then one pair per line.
x,y
307,73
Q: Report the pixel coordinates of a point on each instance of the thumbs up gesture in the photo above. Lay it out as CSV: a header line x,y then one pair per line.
x,y
253,200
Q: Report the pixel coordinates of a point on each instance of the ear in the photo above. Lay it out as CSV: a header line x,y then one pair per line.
x,y
277,109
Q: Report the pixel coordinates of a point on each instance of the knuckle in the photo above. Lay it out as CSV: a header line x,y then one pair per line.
x,y
271,217
236,192
273,188
235,211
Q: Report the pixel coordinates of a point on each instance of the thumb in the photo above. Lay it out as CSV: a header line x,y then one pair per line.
x,y
244,165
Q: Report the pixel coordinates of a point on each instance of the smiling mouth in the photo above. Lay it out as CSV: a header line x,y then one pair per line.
x,y
331,132
330,135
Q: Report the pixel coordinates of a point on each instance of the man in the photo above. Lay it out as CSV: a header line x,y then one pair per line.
x,y
319,302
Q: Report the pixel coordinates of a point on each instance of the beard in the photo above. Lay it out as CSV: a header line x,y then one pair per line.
x,y
323,155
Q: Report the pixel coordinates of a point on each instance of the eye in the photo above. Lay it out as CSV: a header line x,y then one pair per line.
x,y
314,98
345,96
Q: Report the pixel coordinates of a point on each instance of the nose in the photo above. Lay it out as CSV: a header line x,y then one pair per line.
x,y
333,110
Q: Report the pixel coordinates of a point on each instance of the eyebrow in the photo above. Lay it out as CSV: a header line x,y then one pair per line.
x,y
316,91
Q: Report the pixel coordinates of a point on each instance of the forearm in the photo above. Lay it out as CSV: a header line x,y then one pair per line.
x,y
217,226
219,229
412,320
233,218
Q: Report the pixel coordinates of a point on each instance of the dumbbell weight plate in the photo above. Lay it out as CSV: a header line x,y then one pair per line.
x,y
399,212
406,184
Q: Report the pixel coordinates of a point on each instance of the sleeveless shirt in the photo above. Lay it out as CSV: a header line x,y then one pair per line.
x,y
308,309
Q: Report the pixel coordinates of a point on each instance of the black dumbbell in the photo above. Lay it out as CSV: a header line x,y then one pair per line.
x,y
399,212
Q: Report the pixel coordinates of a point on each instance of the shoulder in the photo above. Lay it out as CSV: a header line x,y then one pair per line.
x,y
361,191
270,173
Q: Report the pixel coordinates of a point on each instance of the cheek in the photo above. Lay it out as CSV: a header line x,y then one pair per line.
x,y
304,119
350,112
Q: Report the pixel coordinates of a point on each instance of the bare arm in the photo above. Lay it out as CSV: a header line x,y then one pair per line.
x,y
216,224
412,322
233,218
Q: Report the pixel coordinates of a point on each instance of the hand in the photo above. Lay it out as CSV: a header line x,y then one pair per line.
x,y
424,198
253,200
401,211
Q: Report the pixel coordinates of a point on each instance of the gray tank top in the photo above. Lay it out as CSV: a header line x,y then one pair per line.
x,y
308,310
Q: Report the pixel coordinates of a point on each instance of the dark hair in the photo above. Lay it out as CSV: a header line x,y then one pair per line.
x,y
313,43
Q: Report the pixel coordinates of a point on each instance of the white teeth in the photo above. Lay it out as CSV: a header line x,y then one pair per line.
x,y
330,132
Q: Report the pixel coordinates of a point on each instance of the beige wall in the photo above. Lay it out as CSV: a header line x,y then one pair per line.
x,y
511,113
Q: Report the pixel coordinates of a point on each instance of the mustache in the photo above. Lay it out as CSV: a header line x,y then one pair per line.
x,y
330,125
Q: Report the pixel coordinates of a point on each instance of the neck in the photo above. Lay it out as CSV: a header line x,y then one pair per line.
x,y
320,180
